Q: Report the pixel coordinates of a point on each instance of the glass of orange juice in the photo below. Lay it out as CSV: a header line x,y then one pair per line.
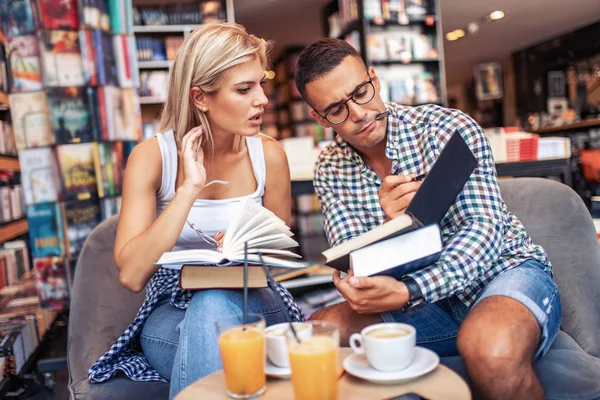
x,y
314,362
242,349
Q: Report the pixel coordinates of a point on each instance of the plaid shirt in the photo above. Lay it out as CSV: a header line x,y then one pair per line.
x,y
482,238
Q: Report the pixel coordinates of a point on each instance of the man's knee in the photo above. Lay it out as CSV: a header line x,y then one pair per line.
x,y
492,342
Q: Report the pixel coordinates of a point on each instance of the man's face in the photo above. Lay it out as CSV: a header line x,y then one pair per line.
x,y
329,92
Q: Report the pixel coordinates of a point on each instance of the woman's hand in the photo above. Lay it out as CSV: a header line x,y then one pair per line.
x,y
192,159
219,237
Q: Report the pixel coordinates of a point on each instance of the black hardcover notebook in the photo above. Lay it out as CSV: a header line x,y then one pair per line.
x,y
437,193
444,182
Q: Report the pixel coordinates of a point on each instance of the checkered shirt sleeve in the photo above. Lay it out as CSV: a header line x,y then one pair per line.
x,y
476,216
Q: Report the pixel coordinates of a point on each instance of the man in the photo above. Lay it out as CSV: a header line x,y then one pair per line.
x,y
490,297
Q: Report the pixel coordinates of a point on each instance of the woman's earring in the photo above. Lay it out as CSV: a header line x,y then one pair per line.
x,y
205,109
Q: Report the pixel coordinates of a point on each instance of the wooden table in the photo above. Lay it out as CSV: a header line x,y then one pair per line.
x,y
441,383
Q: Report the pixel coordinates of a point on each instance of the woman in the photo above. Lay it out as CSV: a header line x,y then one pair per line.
x,y
210,126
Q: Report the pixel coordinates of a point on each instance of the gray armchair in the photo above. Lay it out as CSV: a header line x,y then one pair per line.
x,y
101,310
552,213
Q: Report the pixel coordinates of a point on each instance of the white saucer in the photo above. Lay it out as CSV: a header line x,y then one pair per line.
x,y
424,361
277,372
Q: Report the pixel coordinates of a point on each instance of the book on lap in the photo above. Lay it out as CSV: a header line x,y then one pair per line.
x,y
413,240
264,232
212,277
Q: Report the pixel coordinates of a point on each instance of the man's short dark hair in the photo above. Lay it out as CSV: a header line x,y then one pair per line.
x,y
320,58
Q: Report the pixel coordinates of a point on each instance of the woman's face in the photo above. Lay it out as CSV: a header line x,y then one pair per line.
x,y
238,105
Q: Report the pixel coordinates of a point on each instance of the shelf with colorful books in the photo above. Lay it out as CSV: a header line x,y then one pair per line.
x,y
76,117
401,39
159,28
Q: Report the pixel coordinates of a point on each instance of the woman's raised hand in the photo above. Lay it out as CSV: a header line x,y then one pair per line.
x,y
192,159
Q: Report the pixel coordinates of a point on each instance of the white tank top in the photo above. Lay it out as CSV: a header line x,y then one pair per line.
x,y
210,216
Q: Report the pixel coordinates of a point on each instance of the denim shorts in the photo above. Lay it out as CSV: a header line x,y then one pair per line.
x,y
438,323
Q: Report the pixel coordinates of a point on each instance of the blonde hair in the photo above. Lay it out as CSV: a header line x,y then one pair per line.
x,y
203,61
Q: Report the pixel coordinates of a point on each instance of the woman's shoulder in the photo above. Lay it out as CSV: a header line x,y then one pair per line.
x,y
274,154
145,160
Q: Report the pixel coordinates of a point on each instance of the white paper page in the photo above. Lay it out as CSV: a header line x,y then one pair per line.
x,y
183,256
264,251
250,224
276,261
246,212
265,231
278,241
263,217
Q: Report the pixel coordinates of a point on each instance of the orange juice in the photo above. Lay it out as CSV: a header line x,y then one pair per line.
x,y
314,368
243,356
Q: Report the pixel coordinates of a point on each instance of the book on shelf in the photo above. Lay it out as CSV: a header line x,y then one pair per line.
x,y
106,64
31,124
72,114
39,175
80,217
25,66
412,240
59,14
61,58
45,229
253,224
19,17
51,283
76,170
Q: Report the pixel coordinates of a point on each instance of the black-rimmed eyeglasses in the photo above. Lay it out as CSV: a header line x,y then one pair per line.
x,y
361,95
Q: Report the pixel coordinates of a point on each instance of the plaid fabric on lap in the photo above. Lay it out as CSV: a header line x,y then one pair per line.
x,y
126,355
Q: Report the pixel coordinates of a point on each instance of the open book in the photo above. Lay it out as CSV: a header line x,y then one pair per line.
x,y
253,224
439,190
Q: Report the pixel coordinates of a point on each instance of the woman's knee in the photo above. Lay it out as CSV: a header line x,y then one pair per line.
x,y
214,302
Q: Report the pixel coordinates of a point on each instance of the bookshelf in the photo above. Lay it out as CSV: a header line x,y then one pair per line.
x,y
157,44
9,163
292,113
587,123
403,41
12,230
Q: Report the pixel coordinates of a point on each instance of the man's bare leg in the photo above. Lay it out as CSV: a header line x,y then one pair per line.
x,y
347,319
497,341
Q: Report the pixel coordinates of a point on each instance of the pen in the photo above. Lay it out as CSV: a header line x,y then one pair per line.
x,y
419,178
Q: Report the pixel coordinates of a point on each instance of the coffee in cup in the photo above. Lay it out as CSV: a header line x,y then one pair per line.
x,y
388,346
388,333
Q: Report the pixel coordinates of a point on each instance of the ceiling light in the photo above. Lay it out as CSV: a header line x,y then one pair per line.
x,y
269,74
473,28
455,34
496,15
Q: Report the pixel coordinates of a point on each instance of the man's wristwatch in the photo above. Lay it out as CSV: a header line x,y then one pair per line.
x,y
415,297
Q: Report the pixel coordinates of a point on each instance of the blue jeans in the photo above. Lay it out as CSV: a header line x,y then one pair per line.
x,y
438,323
181,345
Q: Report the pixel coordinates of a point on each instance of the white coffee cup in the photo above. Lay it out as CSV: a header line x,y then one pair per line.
x,y
388,346
275,341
